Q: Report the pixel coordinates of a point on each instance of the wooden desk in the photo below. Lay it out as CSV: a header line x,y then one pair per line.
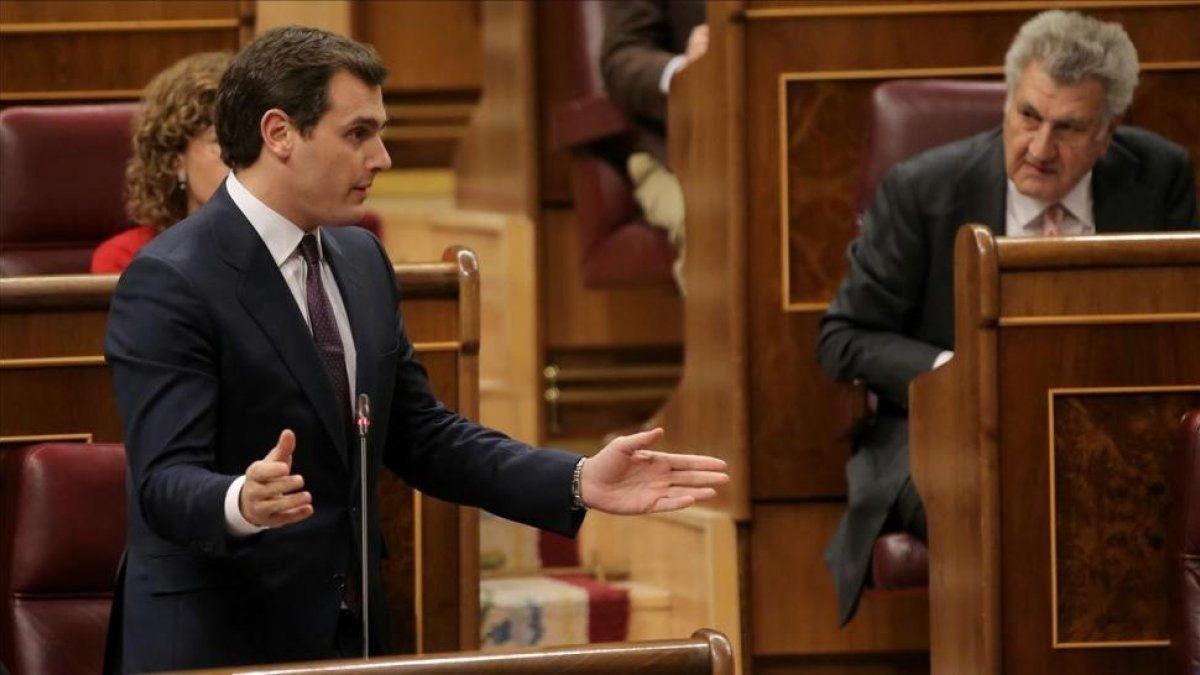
x,y
1042,451
54,385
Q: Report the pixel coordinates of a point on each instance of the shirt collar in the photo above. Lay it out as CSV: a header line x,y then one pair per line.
x,y
1078,203
281,235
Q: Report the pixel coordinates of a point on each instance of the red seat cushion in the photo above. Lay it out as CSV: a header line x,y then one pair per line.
x,y
62,532
900,560
63,187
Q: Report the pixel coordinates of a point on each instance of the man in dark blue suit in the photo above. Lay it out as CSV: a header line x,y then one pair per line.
x,y
238,340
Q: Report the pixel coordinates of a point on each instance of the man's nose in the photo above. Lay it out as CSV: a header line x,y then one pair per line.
x,y
1042,146
380,160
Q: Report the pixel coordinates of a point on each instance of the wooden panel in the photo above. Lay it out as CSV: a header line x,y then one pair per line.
x,y
792,599
803,422
47,334
99,61
555,174
53,379
1033,361
822,124
1026,414
400,567
58,400
577,318
1109,504
1031,294
107,50
75,11
495,168
428,45
434,53
429,328
840,36
709,412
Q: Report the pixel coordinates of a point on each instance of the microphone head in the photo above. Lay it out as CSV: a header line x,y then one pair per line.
x,y
362,413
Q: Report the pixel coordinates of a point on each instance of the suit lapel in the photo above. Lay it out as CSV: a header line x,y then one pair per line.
x,y
267,299
984,187
1116,203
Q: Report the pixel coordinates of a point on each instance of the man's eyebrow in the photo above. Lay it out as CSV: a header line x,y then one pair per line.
x,y
366,120
1028,108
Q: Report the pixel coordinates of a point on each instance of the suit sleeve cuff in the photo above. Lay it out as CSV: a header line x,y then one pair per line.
x,y
669,70
941,359
235,523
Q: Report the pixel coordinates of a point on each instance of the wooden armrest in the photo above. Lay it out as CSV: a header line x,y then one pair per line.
x,y
586,120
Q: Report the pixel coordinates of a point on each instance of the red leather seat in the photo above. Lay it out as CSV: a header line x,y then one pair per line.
x,y
905,118
617,247
1185,548
63,189
62,532
63,186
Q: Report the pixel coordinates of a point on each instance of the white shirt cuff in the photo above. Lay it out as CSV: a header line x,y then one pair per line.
x,y
235,523
664,80
941,359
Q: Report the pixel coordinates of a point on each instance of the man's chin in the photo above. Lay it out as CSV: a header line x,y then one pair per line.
x,y
1044,189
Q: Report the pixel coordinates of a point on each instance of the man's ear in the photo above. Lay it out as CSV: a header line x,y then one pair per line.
x,y
278,134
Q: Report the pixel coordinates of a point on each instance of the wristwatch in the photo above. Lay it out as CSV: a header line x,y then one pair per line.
x,y
577,487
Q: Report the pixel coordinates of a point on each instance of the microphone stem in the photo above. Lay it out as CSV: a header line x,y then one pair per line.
x,y
366,596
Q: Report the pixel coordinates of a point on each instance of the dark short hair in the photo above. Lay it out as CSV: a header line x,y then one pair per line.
x,y
288,68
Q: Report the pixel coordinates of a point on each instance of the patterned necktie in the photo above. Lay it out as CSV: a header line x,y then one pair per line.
x,y
1052,220
324,325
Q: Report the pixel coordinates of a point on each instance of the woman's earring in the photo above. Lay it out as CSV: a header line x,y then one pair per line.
x,y
181,180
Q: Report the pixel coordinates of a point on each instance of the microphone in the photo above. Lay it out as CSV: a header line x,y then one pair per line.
x,y
363,422
362,415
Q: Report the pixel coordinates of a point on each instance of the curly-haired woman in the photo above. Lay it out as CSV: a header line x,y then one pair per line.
x,y
176,164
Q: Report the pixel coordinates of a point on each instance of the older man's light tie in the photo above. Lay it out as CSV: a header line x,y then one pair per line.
x,y
324,325
1053,219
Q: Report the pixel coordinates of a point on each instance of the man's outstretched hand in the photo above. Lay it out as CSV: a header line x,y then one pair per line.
x,y
626,477
271,495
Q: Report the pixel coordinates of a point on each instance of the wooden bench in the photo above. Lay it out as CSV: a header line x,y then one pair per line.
x,y
55,386
1042,451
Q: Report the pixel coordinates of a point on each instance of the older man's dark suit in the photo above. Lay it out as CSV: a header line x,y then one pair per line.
x,y
894,311
212,359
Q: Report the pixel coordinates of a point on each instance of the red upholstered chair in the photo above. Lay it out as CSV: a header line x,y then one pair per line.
x,y
905,118
63,186
64,177
62,531
1185,548
617,247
